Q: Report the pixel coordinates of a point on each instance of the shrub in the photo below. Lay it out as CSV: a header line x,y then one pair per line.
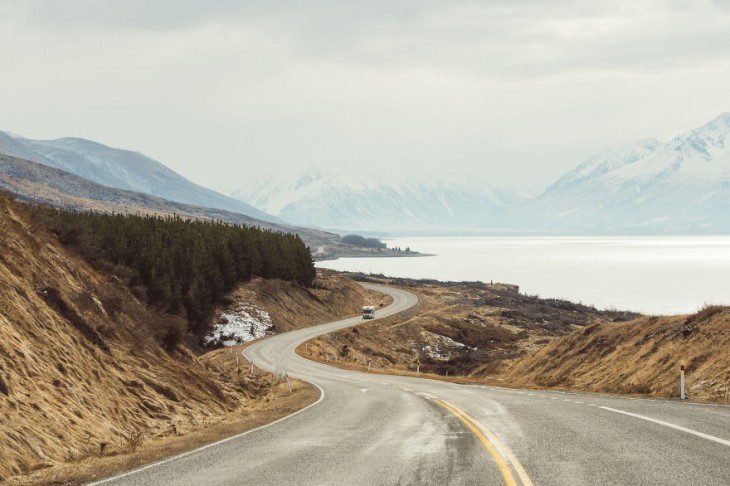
x,y
133,439
6,200
706,312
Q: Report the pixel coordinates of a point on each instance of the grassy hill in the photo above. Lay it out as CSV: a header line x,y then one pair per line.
x,y
87,383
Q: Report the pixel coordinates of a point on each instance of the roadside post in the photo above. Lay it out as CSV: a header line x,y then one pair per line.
x,y
418,369
682,395
369,363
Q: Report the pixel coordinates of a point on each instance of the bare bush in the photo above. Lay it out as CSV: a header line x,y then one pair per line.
x,y
6,199
706,312
133,439
170,331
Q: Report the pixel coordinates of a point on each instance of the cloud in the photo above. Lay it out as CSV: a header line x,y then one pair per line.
x,y
220,89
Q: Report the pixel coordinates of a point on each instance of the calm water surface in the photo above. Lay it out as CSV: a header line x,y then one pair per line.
x,y
654,275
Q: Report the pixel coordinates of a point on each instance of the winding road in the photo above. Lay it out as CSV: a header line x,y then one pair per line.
x,y
377,429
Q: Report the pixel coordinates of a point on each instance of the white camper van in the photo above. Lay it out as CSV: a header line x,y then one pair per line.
x,y
368,312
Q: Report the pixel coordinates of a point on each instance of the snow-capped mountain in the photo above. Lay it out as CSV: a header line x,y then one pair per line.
x,y
649,187
121,169
682,186
348,202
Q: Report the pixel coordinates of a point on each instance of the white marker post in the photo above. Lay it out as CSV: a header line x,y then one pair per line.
x,y
418,369
369,363
682,396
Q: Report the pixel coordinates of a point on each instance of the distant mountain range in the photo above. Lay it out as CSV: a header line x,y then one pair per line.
x,y
122,169
41,184
347,202
681,186
650,187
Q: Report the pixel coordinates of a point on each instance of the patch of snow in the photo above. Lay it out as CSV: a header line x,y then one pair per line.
x,y
442,348
241,323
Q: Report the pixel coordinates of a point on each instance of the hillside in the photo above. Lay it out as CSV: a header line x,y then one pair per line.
x,y
473,332
122,169
640,357
85,378
457,329
38,183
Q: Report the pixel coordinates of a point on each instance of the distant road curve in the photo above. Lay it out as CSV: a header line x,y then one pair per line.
x,y
376,429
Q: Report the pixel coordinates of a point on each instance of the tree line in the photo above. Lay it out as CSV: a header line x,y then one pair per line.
x,y
182,266
358,240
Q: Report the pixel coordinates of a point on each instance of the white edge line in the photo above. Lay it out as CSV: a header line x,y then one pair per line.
x,y
222,441
667,424
243,353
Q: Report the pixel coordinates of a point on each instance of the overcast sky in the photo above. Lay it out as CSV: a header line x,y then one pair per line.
x,y
512,92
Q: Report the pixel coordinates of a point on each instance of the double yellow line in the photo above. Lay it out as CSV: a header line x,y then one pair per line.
x,y
506,461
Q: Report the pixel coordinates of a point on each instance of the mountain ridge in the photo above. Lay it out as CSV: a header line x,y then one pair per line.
x,y
122,169
680,186
351,202
40,184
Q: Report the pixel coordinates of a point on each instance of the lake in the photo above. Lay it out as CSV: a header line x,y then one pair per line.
x,y
653,275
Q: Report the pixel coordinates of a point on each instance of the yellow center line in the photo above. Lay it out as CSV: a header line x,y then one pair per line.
x,y
492,444
501,464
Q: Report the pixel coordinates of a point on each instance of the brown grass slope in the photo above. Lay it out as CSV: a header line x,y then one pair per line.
x,y
80,368
83,372
640,357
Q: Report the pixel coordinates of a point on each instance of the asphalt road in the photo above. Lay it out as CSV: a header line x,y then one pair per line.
x,y
376,429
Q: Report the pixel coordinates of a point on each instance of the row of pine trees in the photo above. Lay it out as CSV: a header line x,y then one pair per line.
x,y
184,265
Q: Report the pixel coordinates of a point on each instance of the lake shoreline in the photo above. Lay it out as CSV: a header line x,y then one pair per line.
x,y
649,275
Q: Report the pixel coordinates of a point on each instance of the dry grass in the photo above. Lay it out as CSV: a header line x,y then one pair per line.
x,y
83,376
280,404
452,331
639,357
